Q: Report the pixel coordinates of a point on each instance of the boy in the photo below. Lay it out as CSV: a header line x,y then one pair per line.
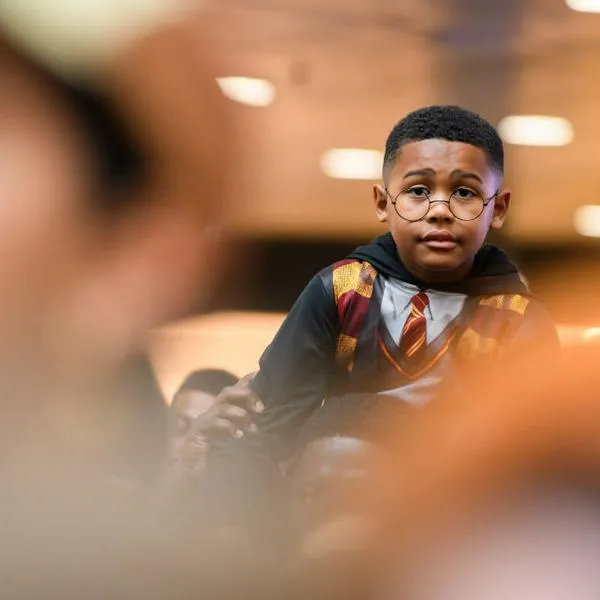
x,y
195,397
400,315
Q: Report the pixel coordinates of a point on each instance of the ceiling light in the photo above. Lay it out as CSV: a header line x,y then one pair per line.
x,y
536,130
247,90
584,5
352,163
587,220
591,333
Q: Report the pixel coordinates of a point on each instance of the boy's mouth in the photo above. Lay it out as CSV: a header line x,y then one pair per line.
x,y
439,240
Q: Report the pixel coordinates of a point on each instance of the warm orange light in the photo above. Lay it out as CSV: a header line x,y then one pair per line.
x,y
233,341
572,335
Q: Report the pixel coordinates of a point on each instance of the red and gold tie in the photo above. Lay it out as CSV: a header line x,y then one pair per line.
x,y
414,333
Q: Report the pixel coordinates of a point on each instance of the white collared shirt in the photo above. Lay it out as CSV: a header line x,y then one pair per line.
x,y
443,307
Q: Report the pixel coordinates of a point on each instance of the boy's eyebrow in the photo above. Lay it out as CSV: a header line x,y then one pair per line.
x,y
419,173
458,173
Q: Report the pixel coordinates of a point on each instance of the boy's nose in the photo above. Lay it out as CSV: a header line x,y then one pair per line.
x,y
439,211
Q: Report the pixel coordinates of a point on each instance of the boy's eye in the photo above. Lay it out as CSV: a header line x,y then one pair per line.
x,y
418,191
465,194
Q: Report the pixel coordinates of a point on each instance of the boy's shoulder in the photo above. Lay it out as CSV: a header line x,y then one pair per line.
x,y
349,276
519,305
507,320
352,277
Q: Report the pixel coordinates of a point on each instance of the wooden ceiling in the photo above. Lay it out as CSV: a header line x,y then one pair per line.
x,y
346,71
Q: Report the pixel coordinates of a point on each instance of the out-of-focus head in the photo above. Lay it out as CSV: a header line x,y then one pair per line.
x,y
114,133
114,187
327,476
195,396
46,174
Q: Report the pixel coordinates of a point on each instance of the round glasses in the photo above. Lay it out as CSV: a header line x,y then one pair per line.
x,y
414,203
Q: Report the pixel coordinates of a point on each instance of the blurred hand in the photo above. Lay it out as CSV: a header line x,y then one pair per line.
x,y
229,417
241,395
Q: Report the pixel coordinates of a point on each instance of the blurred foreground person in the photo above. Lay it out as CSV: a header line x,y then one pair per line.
x,y
497,499
129,422
115,203
115,135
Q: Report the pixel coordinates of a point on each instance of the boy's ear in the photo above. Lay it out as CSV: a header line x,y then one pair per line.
x,y
501,205
381,204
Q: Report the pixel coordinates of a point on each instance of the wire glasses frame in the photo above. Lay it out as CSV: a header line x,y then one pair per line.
x,y
457,206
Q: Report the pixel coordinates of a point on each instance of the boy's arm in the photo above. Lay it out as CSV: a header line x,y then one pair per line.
x,y
297,367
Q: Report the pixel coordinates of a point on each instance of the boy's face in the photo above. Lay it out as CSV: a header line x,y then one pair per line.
x,y
186,408
439,247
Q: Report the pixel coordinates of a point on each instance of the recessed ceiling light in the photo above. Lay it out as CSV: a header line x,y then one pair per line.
x,y
584,5
247,90
591,333
536,130
587,220
352,163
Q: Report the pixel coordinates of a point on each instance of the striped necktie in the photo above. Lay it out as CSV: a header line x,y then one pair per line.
x,y
414,333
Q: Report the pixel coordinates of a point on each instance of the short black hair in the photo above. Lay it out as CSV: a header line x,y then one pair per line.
x,y
211,381
451,123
